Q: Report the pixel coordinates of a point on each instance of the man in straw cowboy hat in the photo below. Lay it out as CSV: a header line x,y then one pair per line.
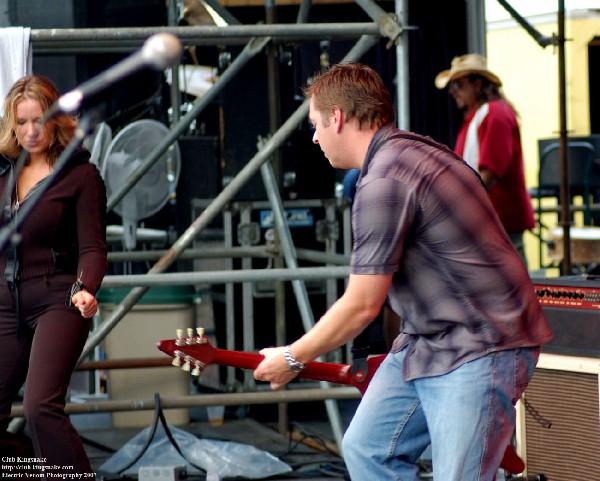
x,y
490,142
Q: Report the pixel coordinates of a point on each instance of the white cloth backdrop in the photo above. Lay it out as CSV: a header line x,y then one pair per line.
x,y
15,58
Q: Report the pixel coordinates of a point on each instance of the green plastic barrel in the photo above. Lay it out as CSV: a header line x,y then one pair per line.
x,y
156,316
154,295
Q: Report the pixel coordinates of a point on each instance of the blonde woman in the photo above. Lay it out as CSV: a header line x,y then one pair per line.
x,y
49,281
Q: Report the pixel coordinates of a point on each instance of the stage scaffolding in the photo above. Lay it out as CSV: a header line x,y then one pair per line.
x,y
255,39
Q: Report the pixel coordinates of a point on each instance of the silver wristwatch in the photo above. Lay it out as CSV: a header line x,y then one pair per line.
x,y
292,363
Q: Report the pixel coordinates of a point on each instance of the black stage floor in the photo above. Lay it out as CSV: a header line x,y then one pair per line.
x,y
309,450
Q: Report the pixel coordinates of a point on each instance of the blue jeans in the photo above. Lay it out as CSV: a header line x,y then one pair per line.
x,y
467,416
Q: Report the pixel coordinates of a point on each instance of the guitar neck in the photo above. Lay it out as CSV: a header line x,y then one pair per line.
x,y
317,371
196,351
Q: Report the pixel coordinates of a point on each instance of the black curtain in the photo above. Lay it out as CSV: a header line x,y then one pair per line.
x,y
440,35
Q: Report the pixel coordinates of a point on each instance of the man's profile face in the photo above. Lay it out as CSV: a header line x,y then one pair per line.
x,y
464,92
324,133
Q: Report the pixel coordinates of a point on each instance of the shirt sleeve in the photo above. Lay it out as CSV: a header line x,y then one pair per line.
x,y
91,229
496,141
382,216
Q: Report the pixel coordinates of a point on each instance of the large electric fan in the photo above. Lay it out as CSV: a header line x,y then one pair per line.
x,y
126,153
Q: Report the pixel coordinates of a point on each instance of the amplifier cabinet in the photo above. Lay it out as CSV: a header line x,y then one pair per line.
x,y
558,419
572,306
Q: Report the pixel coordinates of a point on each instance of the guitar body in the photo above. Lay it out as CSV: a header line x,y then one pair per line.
x,y
194,353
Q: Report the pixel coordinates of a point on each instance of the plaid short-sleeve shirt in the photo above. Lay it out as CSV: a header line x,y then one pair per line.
x,y
460,288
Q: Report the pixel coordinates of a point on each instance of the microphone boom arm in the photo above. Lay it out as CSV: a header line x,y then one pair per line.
x,y
158,52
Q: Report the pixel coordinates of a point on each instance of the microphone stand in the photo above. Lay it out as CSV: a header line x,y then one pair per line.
x,y
9,232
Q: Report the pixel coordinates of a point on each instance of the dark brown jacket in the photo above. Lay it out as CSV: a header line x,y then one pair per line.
x,y
66,231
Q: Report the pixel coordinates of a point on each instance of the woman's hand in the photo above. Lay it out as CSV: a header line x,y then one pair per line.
x,y
85,302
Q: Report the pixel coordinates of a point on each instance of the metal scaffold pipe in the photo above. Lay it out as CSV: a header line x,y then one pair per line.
x,y
222,277
227,253
205,253
227,399
101,40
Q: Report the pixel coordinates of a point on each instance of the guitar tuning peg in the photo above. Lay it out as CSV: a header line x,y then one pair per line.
x,y
179,340
196,371
200,331
176,361
186,366
190,332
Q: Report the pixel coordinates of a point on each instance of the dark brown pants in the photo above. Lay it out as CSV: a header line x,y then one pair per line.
x,y
44,357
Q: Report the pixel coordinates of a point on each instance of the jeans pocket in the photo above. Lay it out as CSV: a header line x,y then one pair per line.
x,y
526,360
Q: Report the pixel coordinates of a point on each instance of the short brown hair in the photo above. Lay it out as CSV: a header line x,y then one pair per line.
x,y
38,88
357,90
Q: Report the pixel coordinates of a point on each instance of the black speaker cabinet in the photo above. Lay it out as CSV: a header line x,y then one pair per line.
x,y
558,419
200,175
576,332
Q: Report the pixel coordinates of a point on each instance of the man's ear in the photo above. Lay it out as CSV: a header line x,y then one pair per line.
x,y
338,119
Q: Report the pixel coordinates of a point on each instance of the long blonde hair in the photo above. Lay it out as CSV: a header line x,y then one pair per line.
x,y
35,87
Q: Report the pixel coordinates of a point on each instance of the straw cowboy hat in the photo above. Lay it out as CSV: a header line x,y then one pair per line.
x,y
464,65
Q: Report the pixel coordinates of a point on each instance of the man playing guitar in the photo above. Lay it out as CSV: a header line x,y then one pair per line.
x,y
426,238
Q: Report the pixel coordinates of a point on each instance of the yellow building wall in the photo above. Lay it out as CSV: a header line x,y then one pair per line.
x,y
530,76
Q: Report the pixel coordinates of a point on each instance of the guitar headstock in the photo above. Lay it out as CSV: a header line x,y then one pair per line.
x,y
192,352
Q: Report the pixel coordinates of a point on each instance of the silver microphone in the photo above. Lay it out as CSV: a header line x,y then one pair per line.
x,y
158,52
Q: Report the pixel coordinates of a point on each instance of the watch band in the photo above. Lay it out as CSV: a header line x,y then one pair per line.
x,y
292,363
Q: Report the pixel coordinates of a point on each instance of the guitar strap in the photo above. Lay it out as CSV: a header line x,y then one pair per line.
x,y
359,366
360,352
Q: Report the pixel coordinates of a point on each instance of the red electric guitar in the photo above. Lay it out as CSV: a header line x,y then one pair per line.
x,y
194,352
